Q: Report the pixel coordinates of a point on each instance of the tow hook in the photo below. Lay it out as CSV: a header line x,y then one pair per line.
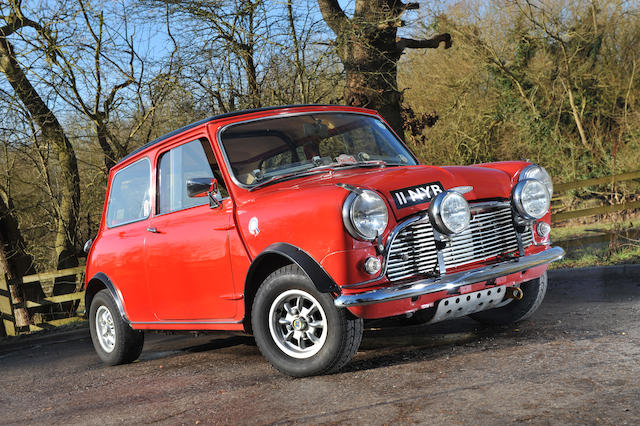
x,y
514,293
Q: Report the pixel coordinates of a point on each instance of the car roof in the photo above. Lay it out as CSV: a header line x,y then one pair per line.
x,y
209,119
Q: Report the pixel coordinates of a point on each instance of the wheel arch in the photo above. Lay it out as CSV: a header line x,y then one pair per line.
x,y
101,281
274,257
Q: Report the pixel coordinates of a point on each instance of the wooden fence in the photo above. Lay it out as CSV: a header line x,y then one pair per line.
x,y
592,211
20,315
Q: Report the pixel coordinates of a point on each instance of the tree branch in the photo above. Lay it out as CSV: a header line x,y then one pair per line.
x,y
333,15
431,43
399,8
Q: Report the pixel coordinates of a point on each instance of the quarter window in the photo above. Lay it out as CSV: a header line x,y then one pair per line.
x,y
192,160
129,199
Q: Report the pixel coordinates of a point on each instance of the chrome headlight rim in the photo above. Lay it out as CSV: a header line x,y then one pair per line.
x,y
518,204
530,170
348,215
435,213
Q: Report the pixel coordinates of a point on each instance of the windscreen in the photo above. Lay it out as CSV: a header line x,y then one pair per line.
x,y
262,149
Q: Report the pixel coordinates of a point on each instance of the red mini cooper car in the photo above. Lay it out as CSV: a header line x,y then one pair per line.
x,y
296,223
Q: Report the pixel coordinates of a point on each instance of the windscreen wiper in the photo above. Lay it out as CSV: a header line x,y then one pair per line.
x,y
322,169
288,176
359,164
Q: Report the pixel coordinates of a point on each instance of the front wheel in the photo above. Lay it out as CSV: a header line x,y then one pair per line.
x,y
298,329
517,310
113,339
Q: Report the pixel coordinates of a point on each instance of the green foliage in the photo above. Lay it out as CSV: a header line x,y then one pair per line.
x,y
504,90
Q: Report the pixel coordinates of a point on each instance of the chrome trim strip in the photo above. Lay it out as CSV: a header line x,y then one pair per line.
x,y
462,189
489,205
184,322
450,282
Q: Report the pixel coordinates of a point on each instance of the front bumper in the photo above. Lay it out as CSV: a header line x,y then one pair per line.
x,y
450,282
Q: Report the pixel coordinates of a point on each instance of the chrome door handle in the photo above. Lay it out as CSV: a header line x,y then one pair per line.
x,y
154,230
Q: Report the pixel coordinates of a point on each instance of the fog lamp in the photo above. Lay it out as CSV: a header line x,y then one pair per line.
x,y
531,199
449,213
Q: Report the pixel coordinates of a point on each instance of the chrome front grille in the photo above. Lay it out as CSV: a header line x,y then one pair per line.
x,y
413,252
490,233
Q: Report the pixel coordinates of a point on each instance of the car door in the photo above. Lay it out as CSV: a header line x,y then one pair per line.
x,y
121,248
187,249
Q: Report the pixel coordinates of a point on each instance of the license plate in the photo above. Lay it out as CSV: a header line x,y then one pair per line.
x,y
418,194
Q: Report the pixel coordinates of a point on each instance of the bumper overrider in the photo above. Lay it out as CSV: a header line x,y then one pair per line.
x,y
450,282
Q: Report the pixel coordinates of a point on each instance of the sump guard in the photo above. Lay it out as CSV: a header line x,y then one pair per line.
x,y
470,303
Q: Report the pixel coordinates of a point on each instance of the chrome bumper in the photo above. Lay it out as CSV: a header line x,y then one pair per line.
x,y
450,282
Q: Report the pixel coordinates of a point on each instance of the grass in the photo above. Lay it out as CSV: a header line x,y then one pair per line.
x,y
571,231
620,247
598,257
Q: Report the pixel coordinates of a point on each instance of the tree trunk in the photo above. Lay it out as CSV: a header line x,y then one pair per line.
x,y
15,262
246,53
109,155
370,64
369,49
53,133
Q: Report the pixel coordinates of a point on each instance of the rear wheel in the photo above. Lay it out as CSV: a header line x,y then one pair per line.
x,y
298,329
517,310
113,339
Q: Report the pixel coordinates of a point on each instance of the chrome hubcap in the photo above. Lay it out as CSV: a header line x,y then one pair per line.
x,y
105,329
298,324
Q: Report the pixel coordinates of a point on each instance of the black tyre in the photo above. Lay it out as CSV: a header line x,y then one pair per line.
x,y
298,329
114,340
518,310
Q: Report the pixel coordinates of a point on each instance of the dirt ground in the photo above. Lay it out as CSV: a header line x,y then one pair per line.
x,y
576,361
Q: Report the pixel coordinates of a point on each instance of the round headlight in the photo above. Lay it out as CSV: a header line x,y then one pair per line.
x,y
449,212
531,199
534,171
365,215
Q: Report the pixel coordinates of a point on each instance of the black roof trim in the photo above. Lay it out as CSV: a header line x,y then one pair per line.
x,y
212,118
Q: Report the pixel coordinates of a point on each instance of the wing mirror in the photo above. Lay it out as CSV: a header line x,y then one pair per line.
x,y
201,187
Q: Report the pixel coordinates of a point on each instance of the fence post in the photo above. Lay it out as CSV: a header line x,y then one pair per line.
x,y
20,313
7,321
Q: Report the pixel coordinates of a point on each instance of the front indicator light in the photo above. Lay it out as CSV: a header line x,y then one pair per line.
x,y
543,229
372,265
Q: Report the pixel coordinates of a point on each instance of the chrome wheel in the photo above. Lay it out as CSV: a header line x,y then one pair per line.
x,y
298,324
105,329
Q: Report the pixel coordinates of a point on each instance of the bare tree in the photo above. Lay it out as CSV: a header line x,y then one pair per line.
x,y
225,35
116,81
51,129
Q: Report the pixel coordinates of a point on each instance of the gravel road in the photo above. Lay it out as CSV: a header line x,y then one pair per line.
x,y
576,361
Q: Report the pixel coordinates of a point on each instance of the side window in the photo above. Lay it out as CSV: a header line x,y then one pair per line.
x,y
192,160
129,199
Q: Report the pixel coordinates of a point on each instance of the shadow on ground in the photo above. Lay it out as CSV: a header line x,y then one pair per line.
x,y
390,342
